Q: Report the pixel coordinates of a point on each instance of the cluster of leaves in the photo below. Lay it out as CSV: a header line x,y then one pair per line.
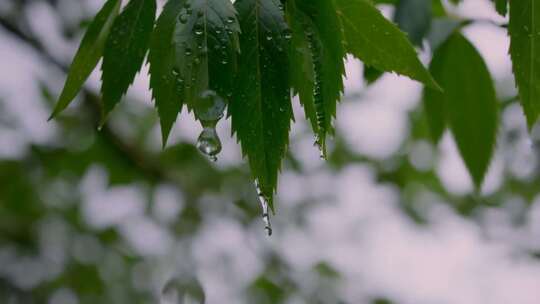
x,y
251,56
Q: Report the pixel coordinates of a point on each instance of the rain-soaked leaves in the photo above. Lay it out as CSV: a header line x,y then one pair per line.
x,y
247,58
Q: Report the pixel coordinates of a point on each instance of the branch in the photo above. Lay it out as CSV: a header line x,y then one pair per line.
x,y
137,159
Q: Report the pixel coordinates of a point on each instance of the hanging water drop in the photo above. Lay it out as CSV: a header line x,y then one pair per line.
x,y
320,144
209,111
265,209
209,143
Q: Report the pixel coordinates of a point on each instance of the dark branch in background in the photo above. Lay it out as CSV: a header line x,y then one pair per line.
x,y
139,161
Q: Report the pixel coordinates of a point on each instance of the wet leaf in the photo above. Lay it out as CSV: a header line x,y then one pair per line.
x,y
125,50
88,55
318,49
166,90
261,111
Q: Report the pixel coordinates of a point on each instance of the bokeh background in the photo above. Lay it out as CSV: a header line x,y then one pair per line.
x,y
109,217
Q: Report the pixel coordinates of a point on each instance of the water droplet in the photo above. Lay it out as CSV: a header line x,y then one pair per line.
x,y
199,31
321,145
209,143
183,19
269,37
287,34
188,51
209,111
230,20
265,208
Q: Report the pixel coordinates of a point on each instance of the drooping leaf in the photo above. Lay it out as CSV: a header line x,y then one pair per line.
x,y
414,18
125,50
378,42
166,89
206,41
468,102
88,55
261,109
323,37
524,29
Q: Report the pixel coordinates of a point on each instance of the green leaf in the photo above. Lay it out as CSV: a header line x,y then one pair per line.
x,y
434,104
378,42
524,29
468,103
501,6
438,8
206,41
319,30
261,111
125,50
166,90
88,55
414,18
302,77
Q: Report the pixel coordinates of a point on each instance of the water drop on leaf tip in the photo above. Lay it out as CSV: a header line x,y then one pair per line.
x,y
265,208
